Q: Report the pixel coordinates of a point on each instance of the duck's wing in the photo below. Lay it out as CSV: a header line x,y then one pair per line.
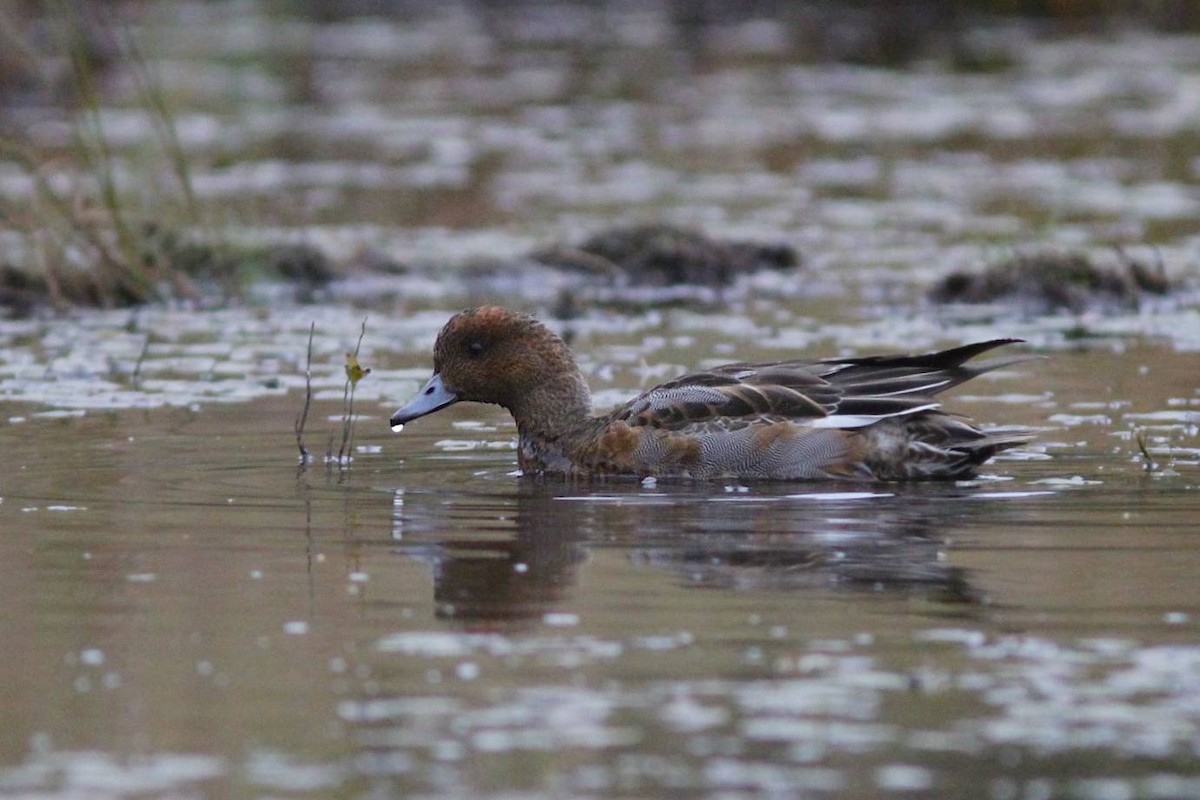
x,y
835,393
730,397
925,375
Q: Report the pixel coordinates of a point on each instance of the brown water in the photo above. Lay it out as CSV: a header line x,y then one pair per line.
x,y
186,613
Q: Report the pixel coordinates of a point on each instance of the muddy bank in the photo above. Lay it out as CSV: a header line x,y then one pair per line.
x,y
639,263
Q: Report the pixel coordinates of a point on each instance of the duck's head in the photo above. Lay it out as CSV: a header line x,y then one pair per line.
x,y
489,355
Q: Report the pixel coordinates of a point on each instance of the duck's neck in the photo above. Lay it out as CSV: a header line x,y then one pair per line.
x,y
552,419
554,407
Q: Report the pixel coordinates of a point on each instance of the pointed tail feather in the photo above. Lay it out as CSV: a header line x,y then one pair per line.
x,y
994,441
930,374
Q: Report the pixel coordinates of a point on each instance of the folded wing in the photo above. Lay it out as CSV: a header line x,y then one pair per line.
x,y
827,393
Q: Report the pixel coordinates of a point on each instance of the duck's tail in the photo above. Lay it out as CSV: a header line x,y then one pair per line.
x,y
934,446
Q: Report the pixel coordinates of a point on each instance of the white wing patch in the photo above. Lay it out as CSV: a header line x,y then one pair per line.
x,y
850,421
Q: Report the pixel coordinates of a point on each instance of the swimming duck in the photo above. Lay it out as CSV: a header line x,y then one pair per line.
x,y
872,418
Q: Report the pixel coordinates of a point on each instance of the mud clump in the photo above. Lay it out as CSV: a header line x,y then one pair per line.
x,y
664,256
231,267
1047,282
304,266
21,292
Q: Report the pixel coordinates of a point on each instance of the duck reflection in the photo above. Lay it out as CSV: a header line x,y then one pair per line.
x,y
516,555
492,556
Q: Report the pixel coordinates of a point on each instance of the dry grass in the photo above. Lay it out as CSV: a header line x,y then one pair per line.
x,y
91,224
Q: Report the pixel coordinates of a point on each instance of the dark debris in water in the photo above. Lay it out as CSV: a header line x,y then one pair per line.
x,y
631,268
665,256
230,268
21,291
1050,281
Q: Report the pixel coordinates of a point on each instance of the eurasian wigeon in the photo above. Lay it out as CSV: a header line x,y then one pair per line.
x,y
873,418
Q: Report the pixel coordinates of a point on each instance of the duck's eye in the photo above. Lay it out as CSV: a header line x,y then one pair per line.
x,y
474,349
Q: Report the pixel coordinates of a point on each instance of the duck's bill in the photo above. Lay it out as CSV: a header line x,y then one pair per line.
x,y
433,396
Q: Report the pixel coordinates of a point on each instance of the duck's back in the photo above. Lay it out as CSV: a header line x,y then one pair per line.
x,y
865,418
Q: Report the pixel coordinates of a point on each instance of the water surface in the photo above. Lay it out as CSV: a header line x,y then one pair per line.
x,y
189,612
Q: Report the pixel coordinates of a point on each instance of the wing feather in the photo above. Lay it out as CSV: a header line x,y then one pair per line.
x,y
821,393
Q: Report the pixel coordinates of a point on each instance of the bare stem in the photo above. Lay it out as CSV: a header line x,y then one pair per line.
x,y
347,445
303,418
1148,462
137,367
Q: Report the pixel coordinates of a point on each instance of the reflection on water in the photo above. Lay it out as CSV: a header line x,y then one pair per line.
x,y
526,566
520,566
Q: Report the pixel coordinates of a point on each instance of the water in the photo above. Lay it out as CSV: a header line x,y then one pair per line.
x,y
188,612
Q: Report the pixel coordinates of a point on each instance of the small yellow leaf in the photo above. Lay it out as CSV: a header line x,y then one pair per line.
x,y
355,372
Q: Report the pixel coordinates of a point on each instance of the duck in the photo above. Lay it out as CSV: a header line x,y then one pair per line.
x,y
873,418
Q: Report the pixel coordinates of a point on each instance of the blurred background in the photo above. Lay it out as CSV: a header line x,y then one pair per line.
x,y
170,142
205,204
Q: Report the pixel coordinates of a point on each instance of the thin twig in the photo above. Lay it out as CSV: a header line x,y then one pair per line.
x,y
1148,463
303,418
348,402
137,367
